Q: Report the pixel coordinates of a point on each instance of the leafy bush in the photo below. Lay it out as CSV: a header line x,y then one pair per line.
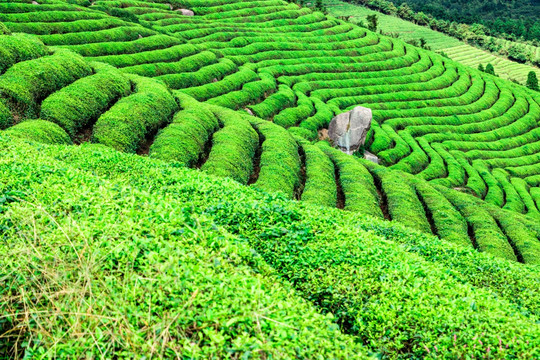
x,y
356,182
79,104
320,185
125,126
279,167
185,138
19,47
40,131
25,84
233,147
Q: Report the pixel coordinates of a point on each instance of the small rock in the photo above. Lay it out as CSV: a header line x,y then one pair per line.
x,y
186,12
215,80
140,36
35,3
348,130
249,111
371,157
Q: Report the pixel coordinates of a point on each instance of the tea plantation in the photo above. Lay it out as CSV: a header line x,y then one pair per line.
x,y
455,49
166,192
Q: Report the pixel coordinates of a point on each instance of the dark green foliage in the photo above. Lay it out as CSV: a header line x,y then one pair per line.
x,y
372,22
25,84
82,102
489,69
125,126
40,131
532,81
184,140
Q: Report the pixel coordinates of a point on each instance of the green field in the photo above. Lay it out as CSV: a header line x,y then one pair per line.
x,y
437,41
164,192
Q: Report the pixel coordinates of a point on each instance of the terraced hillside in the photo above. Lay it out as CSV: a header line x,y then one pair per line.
x,y
167,85
437,41
232,92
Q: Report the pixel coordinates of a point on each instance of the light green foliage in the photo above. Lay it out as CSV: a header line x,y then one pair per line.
x,y
185,138
17,48
233,147
356,183
401,199
488,236
155,253
320,185
40,131
326,256
279,166
4,30
125,125
26,83
82,102
111,255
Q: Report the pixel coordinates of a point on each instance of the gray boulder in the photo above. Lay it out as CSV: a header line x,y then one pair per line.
x,y
348,130
186,12
371,157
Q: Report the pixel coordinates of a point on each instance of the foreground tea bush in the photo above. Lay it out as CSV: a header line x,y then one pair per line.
x,y
40,131
170,284
328,257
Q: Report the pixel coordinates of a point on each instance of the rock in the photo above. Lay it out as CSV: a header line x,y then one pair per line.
x,y
371,157
35,3
348,130
215,80
249,111
186,12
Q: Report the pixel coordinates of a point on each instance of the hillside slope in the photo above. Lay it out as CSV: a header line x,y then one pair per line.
x,y
106,253
437,41
155,259
442,122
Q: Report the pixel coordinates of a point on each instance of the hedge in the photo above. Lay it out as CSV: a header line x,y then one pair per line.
x,y
81,103
233,147
279,166
320,185
356,183
126,125
40,131
25,84
19,47
185,138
